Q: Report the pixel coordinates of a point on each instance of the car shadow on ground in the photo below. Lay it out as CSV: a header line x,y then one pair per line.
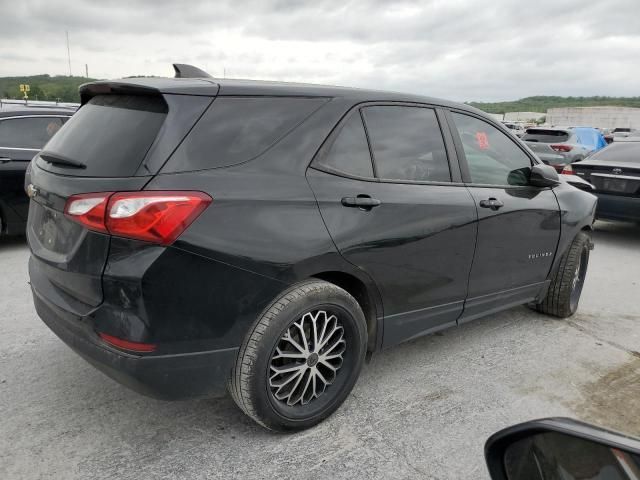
x,y
83,394
621,234
12,242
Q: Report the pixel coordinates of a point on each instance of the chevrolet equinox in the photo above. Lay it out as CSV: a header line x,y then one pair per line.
x,y
191,236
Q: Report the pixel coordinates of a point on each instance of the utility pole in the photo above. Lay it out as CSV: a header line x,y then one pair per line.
x,y
86,70
68,51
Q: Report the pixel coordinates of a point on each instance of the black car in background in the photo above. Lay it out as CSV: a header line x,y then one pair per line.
x,y
190,235
24,129
615,173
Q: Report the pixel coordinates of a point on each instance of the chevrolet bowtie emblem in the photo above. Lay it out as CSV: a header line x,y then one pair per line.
x,y
32,191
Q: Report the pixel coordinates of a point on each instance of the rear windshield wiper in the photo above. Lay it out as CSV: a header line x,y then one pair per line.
x,y
62,161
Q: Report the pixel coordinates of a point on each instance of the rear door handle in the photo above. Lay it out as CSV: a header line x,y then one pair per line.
x,y
4,160
492,203
364,202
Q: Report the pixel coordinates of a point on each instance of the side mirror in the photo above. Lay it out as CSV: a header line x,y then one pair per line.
x,y
543,176
560,448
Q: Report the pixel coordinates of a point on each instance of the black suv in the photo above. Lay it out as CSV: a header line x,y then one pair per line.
x,y
193,235
24,129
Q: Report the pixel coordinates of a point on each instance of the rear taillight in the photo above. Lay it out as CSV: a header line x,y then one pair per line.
x,y
88,209
152,216
561,148
568,170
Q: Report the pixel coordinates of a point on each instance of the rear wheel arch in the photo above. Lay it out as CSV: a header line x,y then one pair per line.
x,y
366,298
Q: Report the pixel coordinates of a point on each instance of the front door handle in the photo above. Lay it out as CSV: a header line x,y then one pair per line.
x,y
365,202
4,160
492,203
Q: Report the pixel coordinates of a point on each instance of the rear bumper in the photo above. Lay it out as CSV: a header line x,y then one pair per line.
x,y
618,207
169,377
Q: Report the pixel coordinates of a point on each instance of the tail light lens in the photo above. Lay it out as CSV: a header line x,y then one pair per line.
x,y
568,170
152,216
561,148
88,209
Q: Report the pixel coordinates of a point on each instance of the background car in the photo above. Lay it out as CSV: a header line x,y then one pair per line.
x,y
621,133
615,173
24,129
560,146
516,128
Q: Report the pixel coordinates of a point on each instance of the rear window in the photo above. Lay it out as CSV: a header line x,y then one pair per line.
x,y
545,136
237,129
619,152
110,135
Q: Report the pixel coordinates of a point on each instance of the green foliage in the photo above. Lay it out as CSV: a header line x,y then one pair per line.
x,y
542,104
43,87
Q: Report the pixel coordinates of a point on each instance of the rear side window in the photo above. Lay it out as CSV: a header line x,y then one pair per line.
x,y
545,136
407,143
237,129
349,152
28,132
110,135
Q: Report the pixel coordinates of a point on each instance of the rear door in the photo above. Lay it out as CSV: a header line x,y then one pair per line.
x,y
106,146
21,137
518,224
402,219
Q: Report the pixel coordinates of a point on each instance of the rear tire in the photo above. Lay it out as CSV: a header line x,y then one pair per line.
x,y
566,285
301,357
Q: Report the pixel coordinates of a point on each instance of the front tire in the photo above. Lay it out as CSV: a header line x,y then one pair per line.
x,y
301,357
566,285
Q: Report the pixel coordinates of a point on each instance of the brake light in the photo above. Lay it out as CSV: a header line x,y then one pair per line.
x,y
561,148
568,170
152,216
127,345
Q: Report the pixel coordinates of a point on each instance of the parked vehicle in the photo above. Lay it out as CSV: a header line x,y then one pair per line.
x,y
561,448
24,129
615,174
266,236
621,133
560,146
516,128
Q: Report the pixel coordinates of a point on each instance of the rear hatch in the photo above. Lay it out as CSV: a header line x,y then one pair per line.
x,y
548,144
117,141
613,179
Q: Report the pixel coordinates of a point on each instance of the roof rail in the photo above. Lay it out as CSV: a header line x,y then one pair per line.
x,y
189,71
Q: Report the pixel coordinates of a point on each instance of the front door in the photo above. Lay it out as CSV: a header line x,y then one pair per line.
x,y
518,224
400,218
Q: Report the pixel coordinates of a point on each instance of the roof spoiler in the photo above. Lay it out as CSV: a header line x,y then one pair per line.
x,y
189,71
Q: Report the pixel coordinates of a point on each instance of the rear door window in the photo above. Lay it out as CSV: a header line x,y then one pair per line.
x,y
109,135
28,132
237,129
407,143
349,152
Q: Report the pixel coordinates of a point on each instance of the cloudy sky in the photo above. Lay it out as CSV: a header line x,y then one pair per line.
x,y
456,49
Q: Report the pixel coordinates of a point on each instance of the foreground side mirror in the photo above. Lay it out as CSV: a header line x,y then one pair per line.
x,y
559,449
543,176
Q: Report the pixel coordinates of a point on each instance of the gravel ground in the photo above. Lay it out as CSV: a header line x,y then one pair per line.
x,y
420,410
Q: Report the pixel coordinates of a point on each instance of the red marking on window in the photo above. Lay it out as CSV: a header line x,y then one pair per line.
x,y
483,140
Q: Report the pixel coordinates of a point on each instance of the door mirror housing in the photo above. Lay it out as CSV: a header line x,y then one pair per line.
x,y
543,176
556,448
